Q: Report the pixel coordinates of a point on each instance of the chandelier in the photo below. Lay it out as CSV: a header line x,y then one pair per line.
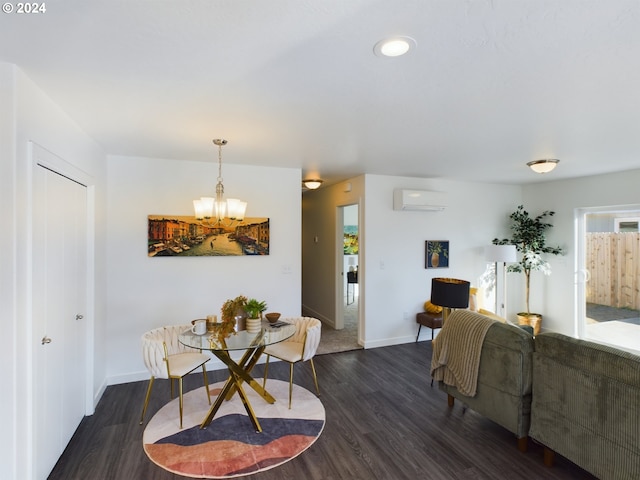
x,y
215,210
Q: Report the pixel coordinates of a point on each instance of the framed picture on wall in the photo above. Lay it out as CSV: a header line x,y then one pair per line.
x,y
350,239
436,254
184,236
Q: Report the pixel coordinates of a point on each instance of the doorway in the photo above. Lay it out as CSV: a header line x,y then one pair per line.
x,y
350,253
608,307
348,306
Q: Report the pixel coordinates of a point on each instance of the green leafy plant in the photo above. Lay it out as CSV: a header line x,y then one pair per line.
x,y
255,307
529,237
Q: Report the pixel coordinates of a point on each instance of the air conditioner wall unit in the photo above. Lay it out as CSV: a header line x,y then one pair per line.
x,y
424,200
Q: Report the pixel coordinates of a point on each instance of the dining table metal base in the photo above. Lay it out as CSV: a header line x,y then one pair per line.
x,y
239,373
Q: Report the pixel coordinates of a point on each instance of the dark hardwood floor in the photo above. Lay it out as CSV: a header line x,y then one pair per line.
x,y
384,421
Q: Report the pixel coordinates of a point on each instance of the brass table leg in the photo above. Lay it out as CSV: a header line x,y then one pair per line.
x,y
239,372
250,359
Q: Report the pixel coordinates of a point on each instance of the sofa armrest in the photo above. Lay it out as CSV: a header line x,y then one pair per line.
x,y
504,379
585,404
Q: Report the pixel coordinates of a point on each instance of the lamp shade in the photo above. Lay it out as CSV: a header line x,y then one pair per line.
x,y
450,292
500,253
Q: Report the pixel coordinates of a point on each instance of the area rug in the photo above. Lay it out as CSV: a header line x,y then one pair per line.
x,y
230,447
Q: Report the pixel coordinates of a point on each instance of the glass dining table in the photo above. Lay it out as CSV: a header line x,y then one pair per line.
x,y
222,342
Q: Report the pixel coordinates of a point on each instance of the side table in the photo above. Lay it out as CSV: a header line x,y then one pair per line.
x,y
431,320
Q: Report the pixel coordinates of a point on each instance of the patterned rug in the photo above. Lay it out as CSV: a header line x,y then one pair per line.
x,y
230,447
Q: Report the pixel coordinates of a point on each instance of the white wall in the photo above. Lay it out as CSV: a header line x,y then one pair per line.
x,y
8,273
394,283
30,116
554,294
148,292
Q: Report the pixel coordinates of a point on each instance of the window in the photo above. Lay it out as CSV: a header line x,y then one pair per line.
x,y
626,225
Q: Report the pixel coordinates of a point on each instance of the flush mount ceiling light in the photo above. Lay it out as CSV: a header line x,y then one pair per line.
x,y
394,46
543,166
312,183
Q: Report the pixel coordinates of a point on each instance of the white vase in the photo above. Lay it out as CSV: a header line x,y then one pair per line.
x,y
253,325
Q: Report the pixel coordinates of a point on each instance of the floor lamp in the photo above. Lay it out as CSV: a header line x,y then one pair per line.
x,y
449,293
501,254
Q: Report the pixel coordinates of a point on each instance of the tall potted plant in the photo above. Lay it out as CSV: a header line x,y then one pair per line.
x,y
529,237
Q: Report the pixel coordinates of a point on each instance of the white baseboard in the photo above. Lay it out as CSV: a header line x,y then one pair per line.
x,y
387,342
309,312
98,395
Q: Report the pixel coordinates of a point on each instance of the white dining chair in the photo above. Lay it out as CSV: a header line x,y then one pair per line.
x,y
300,347
165,357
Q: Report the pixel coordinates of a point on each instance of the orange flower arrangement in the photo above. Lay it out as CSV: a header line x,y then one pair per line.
x,y
230,309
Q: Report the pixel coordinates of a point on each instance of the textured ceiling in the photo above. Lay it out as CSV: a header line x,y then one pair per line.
x,y
294,83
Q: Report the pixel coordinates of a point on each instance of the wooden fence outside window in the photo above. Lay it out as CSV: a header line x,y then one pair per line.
x,y
613,259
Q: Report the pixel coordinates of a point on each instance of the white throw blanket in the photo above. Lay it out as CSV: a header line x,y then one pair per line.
x,y
457,348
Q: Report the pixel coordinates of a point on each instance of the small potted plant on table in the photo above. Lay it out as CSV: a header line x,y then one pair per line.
x,y
254,309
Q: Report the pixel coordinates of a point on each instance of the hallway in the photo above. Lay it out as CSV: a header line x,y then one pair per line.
x,y
333,341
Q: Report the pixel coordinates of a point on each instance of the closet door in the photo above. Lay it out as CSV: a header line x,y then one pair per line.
x,y
59,303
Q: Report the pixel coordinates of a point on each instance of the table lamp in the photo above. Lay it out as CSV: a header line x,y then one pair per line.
x,y
501,254
449,293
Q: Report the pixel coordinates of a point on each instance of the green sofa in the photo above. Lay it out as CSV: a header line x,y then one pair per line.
x,y
504,380
586,405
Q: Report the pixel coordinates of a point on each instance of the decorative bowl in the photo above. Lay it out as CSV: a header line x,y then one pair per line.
x,y
272,317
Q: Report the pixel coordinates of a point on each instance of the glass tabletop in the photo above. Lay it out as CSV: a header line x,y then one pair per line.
x,y
217,340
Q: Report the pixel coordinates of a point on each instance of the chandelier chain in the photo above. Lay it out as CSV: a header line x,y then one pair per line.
x,y
220,161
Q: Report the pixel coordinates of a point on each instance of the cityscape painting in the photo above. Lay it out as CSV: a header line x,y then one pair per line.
x,y
184,236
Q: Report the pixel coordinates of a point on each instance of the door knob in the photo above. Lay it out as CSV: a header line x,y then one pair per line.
x,y
79,316
45,340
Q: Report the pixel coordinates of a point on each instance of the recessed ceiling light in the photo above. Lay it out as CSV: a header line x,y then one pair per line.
x,y
394,46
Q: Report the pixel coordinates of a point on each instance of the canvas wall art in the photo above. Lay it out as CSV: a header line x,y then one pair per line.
x,y
436,254
350,239
184,236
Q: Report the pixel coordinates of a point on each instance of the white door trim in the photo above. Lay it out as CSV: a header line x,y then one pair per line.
x,y
582,275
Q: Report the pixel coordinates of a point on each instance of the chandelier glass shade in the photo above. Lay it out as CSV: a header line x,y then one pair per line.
x,y
216,208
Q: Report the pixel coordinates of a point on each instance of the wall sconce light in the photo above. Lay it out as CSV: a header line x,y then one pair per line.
x,y
312,184
543,166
